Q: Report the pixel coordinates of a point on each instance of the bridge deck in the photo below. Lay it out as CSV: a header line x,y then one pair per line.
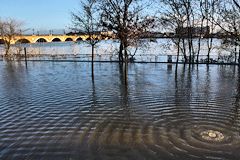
x,y
53,38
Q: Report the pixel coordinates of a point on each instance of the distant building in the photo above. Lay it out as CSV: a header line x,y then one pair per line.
x,y
194,31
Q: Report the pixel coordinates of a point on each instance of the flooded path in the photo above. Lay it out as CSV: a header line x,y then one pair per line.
x,y
52,110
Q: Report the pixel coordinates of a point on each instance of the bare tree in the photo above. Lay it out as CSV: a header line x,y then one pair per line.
x,y
188,6
173,19
9,29
125,18
191,19
87,21
228,20
128,21
208,10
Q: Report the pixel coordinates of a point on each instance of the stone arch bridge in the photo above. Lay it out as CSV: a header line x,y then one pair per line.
x,y
52,38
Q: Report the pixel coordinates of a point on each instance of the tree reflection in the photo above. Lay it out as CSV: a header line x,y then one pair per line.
x,y
14,82
237,101
14,75
124,90
183,84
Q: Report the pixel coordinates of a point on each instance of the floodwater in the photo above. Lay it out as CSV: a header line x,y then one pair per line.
x,y
151,51
53,111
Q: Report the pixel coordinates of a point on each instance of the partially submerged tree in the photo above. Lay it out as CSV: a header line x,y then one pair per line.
x,y
208,11
228,20
87,21
9,29
173,18
189,19
127,20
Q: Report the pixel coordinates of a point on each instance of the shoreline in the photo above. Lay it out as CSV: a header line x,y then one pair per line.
x,y
137,62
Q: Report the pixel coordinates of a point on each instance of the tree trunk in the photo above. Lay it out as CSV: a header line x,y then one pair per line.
x,y
199,46
184,51
126,73
7,48
199,39
92,61
126,64
209,48
189,35
120,55
235,54
178,50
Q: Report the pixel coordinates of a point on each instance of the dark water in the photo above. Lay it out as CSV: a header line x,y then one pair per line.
x,y
52,110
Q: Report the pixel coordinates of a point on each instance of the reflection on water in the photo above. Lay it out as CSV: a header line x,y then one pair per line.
x,y
55,111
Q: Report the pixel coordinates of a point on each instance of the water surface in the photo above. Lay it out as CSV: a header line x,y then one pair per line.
x,y
53,110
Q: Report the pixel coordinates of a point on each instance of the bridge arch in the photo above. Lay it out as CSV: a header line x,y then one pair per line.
x,y
22,41
68,39
56,40
2,41
79,39
41,40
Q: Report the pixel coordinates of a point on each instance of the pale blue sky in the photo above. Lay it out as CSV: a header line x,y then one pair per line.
x,y
40,14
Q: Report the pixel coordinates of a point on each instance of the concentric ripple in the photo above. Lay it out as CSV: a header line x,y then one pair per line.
x,y
211,135
55,111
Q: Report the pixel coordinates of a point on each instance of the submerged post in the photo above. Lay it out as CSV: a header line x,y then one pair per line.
x,y
25,55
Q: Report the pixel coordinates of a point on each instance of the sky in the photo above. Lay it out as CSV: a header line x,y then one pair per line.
x,y
40,14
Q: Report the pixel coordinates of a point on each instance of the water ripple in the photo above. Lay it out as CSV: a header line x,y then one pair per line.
x,y
54,111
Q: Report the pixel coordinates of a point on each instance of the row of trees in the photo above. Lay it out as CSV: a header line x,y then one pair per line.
x,y
130,20
127,19
208,16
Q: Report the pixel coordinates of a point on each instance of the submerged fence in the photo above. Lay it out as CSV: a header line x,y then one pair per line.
x,y
107,51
